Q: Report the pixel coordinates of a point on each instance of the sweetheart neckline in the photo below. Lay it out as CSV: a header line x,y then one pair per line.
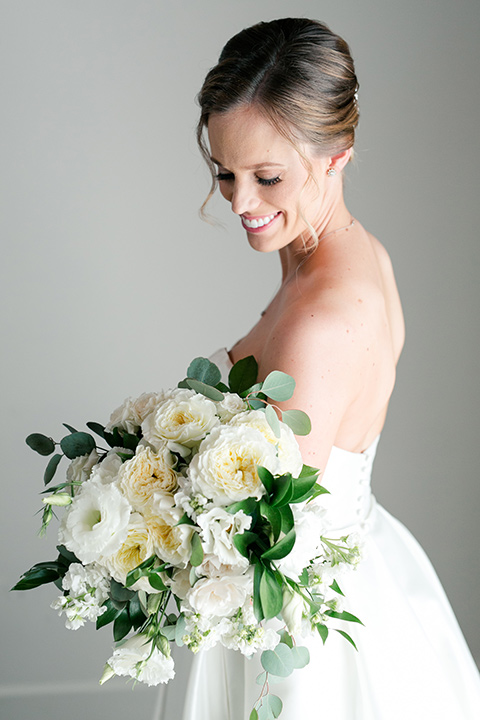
x,y
361,454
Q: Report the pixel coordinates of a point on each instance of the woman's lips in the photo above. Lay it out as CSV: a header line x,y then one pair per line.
x,y
259,223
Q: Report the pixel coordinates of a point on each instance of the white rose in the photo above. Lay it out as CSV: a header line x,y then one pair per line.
x,y
171,542
289,456
146,473
231,405
96,522
218,530
136,548
183,418
106,472
294,611
80,467
137,659
225,468
308,530
131,413
219,597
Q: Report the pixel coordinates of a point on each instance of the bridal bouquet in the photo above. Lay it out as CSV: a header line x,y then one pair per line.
x,y
195,522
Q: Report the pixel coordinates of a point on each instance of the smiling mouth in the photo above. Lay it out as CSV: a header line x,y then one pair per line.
x,y
258,223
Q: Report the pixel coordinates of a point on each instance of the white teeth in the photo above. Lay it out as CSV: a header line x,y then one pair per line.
x,y
259,222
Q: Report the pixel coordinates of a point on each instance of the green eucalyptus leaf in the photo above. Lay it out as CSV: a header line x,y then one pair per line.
x,y
282,548
169,632
207,390
183,384
297,421
130,441
278,386
286,638
243,540
347,637
196,557
271,595
121,625
69,428
180,630
257,404
77,444
300,656
97,429
278,661
42,444
204,370
243,375
274,705
51,468
272,419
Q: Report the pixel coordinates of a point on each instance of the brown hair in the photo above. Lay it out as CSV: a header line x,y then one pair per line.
x,y
298,73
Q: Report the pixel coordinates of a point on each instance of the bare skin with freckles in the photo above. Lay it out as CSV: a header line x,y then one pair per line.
x,y
336,322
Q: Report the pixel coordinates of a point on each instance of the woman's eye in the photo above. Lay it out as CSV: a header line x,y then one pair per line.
x,y
224,176
269,181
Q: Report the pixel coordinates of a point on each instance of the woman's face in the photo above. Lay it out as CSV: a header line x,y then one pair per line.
x,y
263,177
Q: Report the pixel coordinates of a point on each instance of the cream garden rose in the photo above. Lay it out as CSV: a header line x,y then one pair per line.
x,y
219,597
145,474
137,547
131,413
183,418
171,542
225,468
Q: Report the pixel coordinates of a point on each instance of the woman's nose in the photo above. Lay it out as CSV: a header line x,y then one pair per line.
x,y
244,198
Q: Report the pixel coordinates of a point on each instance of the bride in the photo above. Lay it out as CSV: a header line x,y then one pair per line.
x,y
277,126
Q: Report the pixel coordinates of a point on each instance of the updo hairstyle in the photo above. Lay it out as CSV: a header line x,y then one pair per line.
x,y
297,73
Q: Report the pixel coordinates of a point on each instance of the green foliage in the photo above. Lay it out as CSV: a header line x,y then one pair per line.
x,y
266,477
39,574
69,428
272,419
196,558
243,540
347,637
42,444
297,421
271,594
243,375
336,588
273,517
344,615
278,661
278,386
77,444
282,490
282,548
253,715
205,371
97,429
322,631
300,656
122,624
207,390
51,468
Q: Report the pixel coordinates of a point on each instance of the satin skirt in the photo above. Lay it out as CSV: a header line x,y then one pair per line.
x,y
412,661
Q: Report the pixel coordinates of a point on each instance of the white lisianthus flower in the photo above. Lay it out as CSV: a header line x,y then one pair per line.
x,y
136,548
131,413
309,525
96,522
231,405
179,582
211,567
218,530
289,457
107,471
145,474
219,597
87,588
294,612
225,467
183,418
80,467
171,542
138,659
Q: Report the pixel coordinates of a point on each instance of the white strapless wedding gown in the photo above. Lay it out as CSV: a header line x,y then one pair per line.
x,y
412,661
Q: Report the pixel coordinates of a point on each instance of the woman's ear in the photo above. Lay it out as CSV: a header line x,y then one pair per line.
x,y
339,160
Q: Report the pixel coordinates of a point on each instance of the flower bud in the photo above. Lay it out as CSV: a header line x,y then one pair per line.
x,y
60,499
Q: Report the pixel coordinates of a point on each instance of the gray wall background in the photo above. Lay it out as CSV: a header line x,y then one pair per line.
x,y
111,284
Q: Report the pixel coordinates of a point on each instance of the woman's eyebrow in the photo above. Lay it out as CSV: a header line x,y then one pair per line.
x,y
252,167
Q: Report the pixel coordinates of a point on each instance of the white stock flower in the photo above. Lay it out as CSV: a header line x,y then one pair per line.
x,y
136,548
87,588
96,522
183,418
171,542
219,597
132,412
218,530
289,457
80,467
231,405
225,467
145,474
138,659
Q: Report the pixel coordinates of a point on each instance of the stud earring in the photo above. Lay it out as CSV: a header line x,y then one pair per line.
x,y
331,172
